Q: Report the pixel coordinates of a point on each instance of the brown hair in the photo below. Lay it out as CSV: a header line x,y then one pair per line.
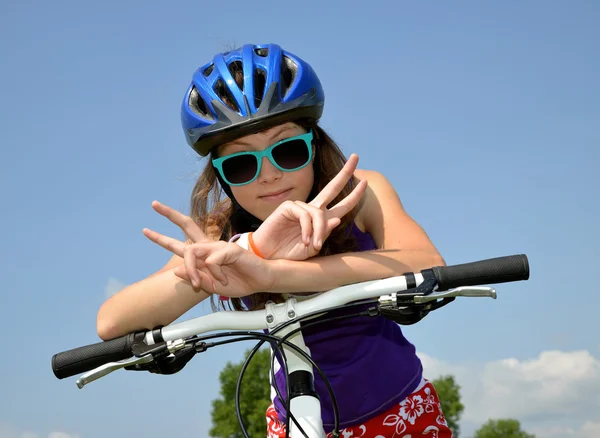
x,y
223,218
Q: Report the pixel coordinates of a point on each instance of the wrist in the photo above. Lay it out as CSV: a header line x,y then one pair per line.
x,y
279,269
246,241
258,239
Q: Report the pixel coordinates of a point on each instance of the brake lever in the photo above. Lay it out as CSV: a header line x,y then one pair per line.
x,y
108,368
462,291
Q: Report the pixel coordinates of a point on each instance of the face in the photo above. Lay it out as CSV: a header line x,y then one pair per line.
x,y
273,185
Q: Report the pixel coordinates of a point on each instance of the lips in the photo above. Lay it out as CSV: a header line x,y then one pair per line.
x,y
276,194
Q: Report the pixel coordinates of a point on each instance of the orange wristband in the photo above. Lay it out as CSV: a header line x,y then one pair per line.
x,y
253,246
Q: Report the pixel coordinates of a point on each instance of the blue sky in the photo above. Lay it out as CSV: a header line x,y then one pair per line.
x,y
484,116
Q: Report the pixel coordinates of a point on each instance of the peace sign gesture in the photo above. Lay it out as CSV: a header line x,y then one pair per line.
x,y
296,230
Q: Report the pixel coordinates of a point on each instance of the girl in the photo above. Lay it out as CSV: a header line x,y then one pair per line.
x,y
297,218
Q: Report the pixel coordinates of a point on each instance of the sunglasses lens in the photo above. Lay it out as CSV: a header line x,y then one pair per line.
x,y
240,169
291,154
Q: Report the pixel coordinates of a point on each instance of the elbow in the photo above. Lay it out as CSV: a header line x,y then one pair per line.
x,y
106,326
430,259
106,331
422,260
438,260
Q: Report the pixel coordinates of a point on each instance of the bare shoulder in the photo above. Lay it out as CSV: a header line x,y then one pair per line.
x,y
378,187
372,176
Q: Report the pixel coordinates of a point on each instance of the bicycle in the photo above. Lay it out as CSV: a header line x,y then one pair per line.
x,y
406,299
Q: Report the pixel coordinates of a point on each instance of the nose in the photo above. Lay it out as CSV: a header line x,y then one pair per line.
x,y
268,172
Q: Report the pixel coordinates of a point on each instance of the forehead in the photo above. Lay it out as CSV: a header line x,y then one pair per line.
x,y
260,140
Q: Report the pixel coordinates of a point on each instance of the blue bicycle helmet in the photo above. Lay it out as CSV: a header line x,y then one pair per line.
x,y
277,86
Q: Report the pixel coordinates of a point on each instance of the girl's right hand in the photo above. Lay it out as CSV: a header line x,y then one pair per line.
x,y
213,266
296,230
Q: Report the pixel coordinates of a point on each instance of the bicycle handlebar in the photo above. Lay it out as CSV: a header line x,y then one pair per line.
x,y
82,359
490,271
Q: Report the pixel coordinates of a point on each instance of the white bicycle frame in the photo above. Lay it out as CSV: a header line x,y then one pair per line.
x,y
305,408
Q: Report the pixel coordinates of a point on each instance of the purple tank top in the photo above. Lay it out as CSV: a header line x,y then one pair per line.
x,y
368,361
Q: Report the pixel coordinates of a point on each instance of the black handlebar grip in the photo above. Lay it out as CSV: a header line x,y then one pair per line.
x,y
82,359
490,271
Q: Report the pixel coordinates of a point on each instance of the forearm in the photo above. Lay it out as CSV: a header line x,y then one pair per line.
x,y
324,273
157,300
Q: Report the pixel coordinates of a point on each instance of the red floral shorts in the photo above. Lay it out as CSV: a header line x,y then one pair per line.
x,y
418,414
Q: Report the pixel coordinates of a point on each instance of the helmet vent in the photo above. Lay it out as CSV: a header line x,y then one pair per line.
x,y
260,80
236,69
225,95
208,70
289,70
197,104
262,52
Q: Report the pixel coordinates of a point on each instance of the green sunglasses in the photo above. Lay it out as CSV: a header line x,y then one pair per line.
x,y
287,155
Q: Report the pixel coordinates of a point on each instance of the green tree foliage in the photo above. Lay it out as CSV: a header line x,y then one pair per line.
x,y
503,428
254,398
449,393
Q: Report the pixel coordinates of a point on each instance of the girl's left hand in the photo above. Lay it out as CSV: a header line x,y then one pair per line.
x,y
219,267
297,230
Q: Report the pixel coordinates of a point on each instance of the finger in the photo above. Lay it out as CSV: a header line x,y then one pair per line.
x,y
189,261
213,263
206,282
318,225
223,256
300,211
181,272
332,223
335,186
169,243
186,223
349,202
